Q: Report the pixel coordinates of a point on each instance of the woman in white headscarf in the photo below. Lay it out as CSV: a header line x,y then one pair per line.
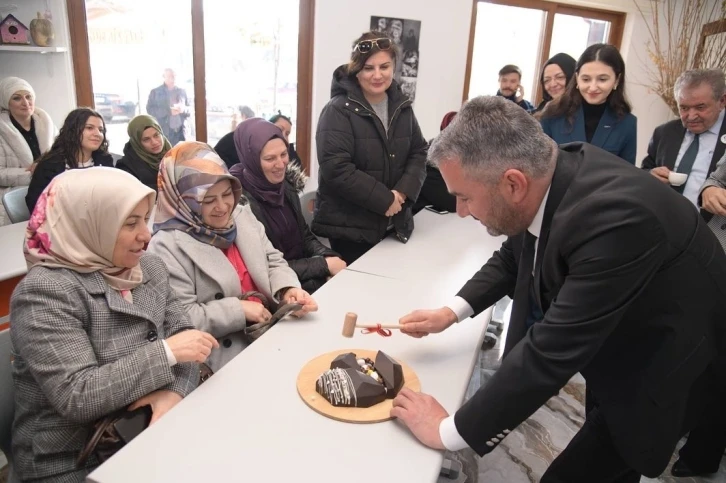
x,y
26,132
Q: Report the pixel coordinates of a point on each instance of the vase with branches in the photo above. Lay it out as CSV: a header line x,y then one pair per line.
x,y
683,35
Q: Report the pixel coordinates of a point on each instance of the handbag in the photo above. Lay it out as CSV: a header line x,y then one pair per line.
x,y
112,432
254,331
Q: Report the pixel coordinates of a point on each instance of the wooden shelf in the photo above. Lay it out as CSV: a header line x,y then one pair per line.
x,y
32,48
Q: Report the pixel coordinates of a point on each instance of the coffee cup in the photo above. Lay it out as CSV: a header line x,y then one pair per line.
x,y
677,179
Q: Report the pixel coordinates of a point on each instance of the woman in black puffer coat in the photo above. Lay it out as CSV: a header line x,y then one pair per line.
x,y
371,153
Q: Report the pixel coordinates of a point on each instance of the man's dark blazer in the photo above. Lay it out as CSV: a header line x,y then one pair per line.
x,y
666,142
615,249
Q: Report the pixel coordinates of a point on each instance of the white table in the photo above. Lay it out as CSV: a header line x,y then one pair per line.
x,y
247,423
445,249
12,261
12,265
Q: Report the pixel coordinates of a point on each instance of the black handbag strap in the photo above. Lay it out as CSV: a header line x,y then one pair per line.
x,y
263,298
256,330
99,428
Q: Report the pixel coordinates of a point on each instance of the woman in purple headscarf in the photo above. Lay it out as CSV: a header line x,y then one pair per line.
x,y
271,186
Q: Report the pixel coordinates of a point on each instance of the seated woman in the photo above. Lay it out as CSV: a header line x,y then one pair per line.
x,y
271,186
144,150
434,192
285,125
81,143
216,251
26,131
228,152
594,108
96,326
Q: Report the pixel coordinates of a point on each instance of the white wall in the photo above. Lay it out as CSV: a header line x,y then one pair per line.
x,y
51,75
443,45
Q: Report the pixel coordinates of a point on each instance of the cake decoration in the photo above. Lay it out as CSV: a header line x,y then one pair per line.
x,y
360,382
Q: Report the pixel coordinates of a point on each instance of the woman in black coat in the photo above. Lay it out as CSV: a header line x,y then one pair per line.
x,y
81,143
371,153
144,151
271,184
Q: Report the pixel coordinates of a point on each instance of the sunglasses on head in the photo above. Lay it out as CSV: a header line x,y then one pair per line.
x,y
365,46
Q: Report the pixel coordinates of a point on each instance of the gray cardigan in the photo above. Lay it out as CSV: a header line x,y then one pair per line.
x,y
209,287
81,352
718,179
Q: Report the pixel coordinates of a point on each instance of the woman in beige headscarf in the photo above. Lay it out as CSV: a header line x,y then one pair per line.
x,y
26,132
96,326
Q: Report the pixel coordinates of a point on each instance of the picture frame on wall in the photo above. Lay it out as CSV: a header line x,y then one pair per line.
x,y
405,34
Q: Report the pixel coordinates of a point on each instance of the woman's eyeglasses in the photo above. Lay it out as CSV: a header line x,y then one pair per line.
x,y
557,77
365,46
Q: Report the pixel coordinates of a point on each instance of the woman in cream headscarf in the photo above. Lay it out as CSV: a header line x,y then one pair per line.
x,y
96,326
145,150
26,132
216,250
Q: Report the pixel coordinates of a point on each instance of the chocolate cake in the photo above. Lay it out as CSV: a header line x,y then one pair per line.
x,y
360,382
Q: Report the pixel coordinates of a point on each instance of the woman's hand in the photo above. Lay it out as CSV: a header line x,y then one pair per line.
x,y
191,345
335,265
160,401
255,311
399,196
294,295
396,205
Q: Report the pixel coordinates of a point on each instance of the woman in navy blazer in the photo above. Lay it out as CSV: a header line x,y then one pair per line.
x,y
594,108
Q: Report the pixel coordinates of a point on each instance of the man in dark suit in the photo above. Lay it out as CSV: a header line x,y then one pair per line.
x,y
694,143
602,249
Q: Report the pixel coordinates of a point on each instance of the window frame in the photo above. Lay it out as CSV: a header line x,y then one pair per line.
x,y
616,19
78,25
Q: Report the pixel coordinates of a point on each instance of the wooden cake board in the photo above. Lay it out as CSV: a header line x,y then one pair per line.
x,y
375,414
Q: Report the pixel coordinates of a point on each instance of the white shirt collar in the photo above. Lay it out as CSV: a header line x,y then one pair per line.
x,y
536,226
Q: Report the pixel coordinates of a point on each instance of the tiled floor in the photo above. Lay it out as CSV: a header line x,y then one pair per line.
x,y
527,452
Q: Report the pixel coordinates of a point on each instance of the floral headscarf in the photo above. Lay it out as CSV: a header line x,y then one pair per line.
x,y
186,173
77,219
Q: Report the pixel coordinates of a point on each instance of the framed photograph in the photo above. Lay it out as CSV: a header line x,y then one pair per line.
x,y
405,34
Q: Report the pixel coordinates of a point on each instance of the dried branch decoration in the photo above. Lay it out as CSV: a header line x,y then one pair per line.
x,y
684,34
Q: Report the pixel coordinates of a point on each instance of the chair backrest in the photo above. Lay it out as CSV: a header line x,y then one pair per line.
x,y
116,157
15,207
307,201
7,401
